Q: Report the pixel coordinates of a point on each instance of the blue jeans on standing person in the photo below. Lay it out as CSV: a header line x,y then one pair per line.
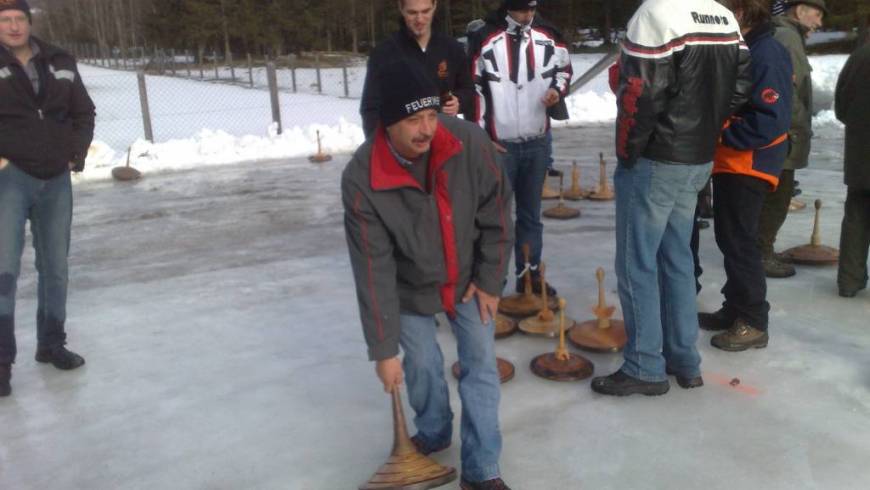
x,y
526,166
48,206
479,390
655,207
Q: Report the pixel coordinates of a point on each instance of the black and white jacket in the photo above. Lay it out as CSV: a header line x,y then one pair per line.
x,y
684,70
513,66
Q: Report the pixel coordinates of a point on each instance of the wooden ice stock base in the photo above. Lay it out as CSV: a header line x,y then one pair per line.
x,y
561,365
813,253
602,334
406,468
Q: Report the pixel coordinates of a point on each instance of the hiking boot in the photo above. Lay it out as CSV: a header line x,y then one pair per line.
x,y
848,292
536,286
739,337
621,384
5,376
774,267
718,320
59,357
686,382
426,448
494,484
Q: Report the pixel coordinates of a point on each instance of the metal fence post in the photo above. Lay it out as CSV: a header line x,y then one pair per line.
x,y
216,75
293,77
344,75
250,70
273,93
172,61
317,68
187,62
146,110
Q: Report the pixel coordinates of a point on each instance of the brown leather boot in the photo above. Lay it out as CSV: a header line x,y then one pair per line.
x,y
739,337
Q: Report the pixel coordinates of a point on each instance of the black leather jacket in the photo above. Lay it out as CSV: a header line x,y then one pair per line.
x,y
684,70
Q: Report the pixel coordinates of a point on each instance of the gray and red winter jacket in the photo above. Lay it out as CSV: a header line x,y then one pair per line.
x,y
42,133
416,250
684,70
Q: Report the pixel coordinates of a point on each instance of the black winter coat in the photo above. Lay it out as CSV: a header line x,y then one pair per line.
x,y
444,59
42,133
852,106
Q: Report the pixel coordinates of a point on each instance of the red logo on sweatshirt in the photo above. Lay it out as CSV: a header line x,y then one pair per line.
x,y
769,96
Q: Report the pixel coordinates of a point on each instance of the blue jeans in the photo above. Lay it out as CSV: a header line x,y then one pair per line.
x,y
48,206
526,167
479,389
655,208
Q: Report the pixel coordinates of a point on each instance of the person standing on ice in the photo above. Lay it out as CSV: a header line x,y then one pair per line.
x,y
441,57
852,106
521,69
684,70
801,18
746,168
427,223
46,127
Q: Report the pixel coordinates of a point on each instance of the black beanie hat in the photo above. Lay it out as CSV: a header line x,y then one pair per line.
x,y
15,5
520,4
405,90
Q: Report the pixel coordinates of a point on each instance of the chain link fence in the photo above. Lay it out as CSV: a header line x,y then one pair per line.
x,y
172,94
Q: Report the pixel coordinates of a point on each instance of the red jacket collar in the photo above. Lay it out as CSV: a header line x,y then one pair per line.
x,y
387,173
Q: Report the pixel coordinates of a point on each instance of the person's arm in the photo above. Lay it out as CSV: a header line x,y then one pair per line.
x,y
370,102
644,80
374,271
743,87
83,115
463,87
564,72
492,219
844,92
767,116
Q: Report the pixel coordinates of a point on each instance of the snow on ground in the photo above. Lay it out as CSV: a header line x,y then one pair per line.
x,y
216,309
199,123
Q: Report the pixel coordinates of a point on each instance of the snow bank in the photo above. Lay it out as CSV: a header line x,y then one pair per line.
x,y
216,147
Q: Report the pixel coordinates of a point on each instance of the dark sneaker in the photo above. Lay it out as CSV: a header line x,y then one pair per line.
x,y
536,286
718,320
554,172
621,384
59,357
425,448
5,377
494,484
850,292
739,337
687,382
776,268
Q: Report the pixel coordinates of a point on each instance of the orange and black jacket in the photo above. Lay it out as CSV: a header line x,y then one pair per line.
x,y
755,140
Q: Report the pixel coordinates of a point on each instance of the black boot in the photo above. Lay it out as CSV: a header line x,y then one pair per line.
x,y
494,484
5,376
686,382
59,357
718,320
621,384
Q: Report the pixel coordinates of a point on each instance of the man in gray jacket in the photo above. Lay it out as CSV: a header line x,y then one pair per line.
x,y
800,19
428,229
852,104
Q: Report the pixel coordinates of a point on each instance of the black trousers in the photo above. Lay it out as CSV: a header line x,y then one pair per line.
x,y
774,212
736,209
854,240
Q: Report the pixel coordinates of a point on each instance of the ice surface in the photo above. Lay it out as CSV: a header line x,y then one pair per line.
x,y
216,310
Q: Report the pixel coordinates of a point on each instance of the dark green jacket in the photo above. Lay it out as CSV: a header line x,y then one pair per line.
x,y
415,248
852,106
792,35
